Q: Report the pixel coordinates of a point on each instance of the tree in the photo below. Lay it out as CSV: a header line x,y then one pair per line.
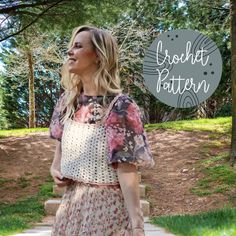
x,y
233,78
137,27
63,15
32,67
18,16
144,21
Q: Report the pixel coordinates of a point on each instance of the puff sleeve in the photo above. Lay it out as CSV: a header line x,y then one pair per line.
x,y
127,139
56,127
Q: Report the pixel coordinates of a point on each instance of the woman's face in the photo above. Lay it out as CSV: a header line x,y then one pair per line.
x,y
82,57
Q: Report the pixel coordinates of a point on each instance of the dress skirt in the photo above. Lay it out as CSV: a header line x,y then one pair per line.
x,y
92,210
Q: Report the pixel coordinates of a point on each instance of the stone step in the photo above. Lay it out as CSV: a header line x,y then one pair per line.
x,y
142,190
46,221
145,206
52,205
139,177
40,230
49,220
58,190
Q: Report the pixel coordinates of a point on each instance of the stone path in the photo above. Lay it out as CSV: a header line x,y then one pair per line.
x,y
45,230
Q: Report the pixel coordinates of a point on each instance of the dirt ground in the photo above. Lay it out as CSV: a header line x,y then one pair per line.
x,y
25,163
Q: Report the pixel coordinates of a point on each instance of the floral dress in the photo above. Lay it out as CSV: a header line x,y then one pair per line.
x,y
94,210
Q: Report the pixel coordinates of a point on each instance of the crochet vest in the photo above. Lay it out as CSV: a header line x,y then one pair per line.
x,y
84,152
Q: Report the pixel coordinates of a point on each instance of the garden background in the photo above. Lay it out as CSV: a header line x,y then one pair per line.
x,y
194,148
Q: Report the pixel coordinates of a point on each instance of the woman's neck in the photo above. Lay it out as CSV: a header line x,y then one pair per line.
x,y
89,89
91,93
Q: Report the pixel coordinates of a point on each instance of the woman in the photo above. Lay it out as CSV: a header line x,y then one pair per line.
x,y
101,142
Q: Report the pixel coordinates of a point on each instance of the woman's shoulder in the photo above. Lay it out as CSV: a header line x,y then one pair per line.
x,y
124,105
124,100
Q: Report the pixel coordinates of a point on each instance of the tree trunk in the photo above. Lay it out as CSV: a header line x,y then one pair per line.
x,y
31,91
233,79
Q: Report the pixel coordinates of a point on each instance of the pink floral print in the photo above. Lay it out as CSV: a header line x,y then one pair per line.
x,y
90,210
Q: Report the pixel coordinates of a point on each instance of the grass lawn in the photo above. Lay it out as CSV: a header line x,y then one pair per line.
x,y
20,132
214,223
218,125
220,177
14,218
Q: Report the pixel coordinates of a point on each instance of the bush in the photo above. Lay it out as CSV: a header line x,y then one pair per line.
x,y
225,110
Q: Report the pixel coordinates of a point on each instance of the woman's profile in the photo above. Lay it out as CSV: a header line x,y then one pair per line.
x,y
101,142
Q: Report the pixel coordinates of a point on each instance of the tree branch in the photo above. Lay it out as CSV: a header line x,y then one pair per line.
x,y
220,9
4,20
11,9
28,13
32,22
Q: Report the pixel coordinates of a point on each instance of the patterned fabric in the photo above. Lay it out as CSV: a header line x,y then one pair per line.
x,y
92,210
126,137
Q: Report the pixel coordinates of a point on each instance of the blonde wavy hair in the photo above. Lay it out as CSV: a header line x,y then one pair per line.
x,y
106,78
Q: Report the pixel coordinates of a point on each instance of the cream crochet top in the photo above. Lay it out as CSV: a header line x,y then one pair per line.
x,y
85,150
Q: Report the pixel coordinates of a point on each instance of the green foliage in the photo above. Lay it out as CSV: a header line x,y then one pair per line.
x,y
144,21
3,121
47,55
135,25
48,49
48,16
225,110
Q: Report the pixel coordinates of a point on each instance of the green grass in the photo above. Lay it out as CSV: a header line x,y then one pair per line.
x,y
18,216
219,158
213,223
218,125
23,182
20,132
3,181
222,174
14,218
219,176
213,144
20,181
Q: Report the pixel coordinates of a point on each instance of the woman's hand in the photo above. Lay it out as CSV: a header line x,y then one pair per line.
x,y
59,179
138,232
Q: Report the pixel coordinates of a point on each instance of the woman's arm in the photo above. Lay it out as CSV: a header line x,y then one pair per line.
x,y
55,169
57,157
128,179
